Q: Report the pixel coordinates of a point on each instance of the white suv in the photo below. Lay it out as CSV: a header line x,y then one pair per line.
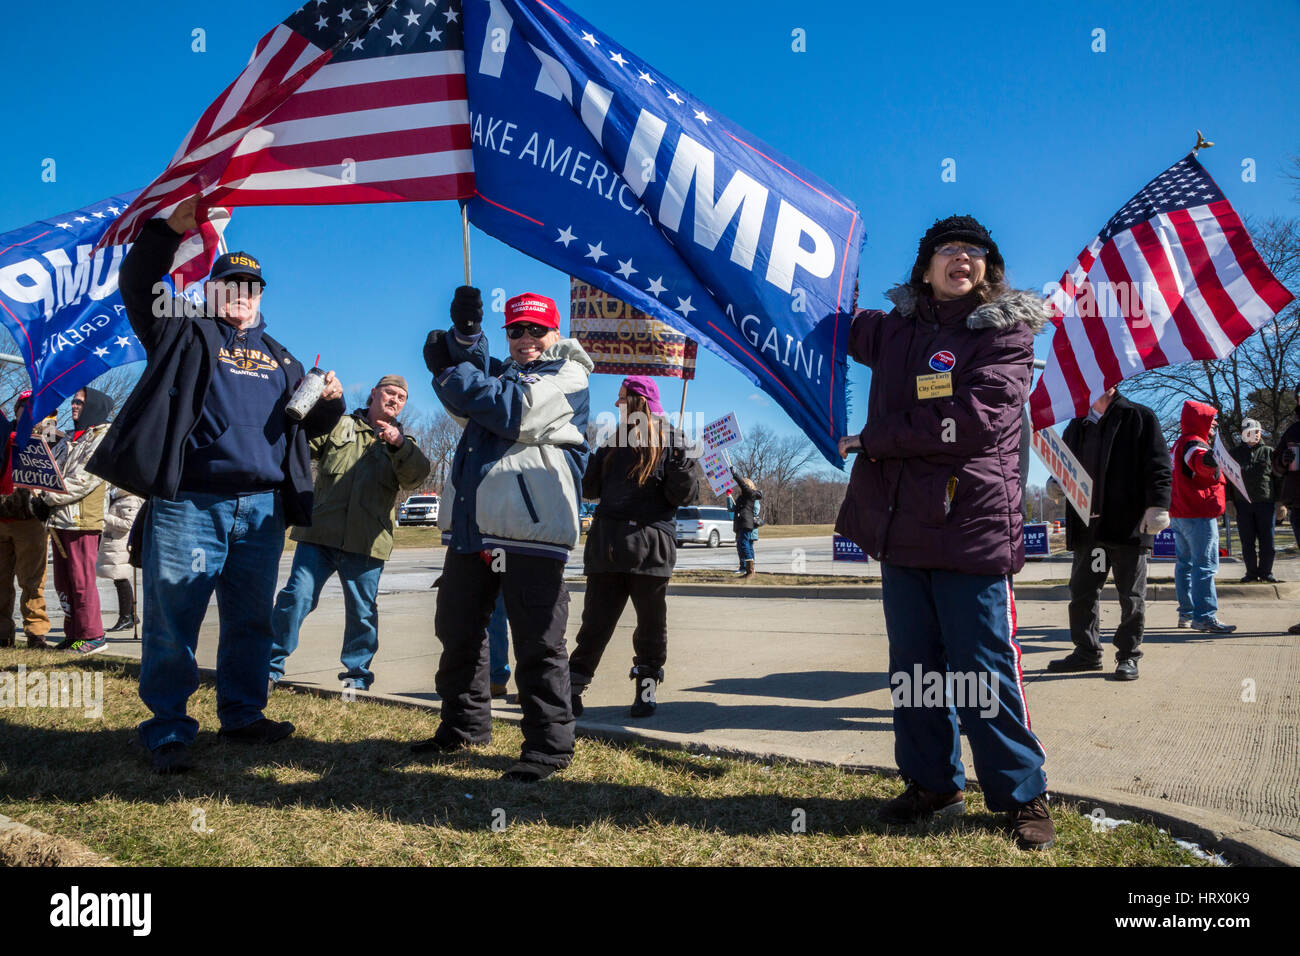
x,y
711,526
418,509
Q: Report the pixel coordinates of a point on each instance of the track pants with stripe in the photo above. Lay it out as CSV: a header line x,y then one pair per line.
x,y
949,623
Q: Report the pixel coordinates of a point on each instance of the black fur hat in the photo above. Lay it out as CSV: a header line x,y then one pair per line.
x,y
954,228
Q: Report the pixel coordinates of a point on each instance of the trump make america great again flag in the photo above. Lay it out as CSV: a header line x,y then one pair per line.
x,y
1171,278
591,160
343,102
60,302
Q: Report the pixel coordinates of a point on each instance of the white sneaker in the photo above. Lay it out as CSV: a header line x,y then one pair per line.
x,y
1184,620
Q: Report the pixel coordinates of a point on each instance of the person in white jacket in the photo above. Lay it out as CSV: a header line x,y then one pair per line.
x,y
114,561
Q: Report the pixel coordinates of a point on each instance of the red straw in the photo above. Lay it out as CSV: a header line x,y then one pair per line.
x,y
317,360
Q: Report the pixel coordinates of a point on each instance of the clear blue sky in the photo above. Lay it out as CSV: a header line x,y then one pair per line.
x,y
1049,138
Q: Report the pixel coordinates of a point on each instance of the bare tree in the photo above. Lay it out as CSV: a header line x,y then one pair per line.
x,y
437,435
774,462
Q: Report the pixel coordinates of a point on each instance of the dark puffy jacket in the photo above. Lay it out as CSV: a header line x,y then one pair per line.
x,y
743,506
1288,482
144,449
1256,463
635,528
1133,474
1198,486
937,484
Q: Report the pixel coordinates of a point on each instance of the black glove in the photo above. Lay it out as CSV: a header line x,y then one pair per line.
x,y
467,310
437,356
1209,461
1288,456
40,509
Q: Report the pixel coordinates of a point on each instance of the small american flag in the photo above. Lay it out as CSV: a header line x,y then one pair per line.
x,y
1173,277
343,102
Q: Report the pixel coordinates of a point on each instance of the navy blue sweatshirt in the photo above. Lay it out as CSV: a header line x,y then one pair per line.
x,y
238,443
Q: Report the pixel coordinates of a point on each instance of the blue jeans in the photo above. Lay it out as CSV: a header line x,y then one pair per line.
x,y
745,546
359,574
1196,553
499,642
193,546
947,622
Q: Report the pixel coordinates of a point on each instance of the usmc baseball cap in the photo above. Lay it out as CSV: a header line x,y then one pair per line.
x,y
237,264
531,307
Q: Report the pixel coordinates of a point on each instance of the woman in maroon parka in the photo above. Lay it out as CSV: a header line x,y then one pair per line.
x,y
935,497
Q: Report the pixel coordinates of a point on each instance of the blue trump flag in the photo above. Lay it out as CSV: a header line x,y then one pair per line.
x,y
594,162
59,298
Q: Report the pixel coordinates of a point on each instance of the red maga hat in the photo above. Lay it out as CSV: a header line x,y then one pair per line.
x,y
531,307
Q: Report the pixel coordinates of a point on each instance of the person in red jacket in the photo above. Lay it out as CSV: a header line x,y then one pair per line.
x,y
1197,503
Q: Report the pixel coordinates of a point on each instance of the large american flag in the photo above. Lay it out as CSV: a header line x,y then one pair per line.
x,y
343,102
1172,277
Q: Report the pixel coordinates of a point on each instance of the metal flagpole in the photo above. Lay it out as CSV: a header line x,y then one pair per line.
x,y
464,236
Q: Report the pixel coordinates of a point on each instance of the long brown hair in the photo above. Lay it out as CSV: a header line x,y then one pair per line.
x,y
643,432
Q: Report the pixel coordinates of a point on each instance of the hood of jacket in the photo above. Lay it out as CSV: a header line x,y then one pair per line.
x,y
95,411
1011,308
565,350
1196,419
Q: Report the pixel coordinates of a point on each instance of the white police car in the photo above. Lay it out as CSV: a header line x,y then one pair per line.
x,y
418,509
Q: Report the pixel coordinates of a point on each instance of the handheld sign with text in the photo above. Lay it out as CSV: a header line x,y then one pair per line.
x,y
1163,546
723,432
1036,544
1228,464
717,469
1065,468
845,549
35,467
622,340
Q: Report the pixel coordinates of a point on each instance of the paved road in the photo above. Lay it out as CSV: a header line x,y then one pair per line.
x,y
1211,723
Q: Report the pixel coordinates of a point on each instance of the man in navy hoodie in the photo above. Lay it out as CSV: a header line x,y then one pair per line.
x,y
205,437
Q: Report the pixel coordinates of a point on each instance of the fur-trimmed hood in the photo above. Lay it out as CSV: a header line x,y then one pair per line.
x,y
1012,307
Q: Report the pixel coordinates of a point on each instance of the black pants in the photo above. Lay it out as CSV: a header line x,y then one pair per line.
x,y
1092,563
607,595
1255,521
125,597
537,606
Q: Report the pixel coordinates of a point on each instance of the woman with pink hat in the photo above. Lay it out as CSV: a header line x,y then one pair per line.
x,y
640,479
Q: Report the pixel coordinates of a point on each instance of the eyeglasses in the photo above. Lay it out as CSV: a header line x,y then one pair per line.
x,y
517,330
78,401
955,248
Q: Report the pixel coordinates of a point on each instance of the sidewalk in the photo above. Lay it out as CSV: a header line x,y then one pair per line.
x,y
807,679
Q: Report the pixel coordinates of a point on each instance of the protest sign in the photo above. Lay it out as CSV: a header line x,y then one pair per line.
x,y
34,467
1036,543
1065,468
622,340
717,469
1231,470
845,549
1163,546
723,432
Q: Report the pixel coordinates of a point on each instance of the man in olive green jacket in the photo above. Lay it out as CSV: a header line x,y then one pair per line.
x,y
361,464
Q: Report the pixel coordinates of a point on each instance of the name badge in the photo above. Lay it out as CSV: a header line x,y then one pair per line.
x,y
938,385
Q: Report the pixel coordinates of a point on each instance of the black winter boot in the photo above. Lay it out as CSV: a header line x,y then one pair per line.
x,y
647,688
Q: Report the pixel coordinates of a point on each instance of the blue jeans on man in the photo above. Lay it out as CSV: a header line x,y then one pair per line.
x,y
1196,552
359,574
193,546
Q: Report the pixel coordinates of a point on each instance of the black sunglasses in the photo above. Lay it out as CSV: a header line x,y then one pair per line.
x,y
517,330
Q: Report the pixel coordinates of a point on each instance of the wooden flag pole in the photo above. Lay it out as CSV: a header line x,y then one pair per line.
x,y
135,600
681,413
464,236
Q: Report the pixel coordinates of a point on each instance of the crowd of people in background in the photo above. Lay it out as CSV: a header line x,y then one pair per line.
x,y
198,495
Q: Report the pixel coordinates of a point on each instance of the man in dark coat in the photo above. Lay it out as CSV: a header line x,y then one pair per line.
x,y
204,435
1120,445
1255,513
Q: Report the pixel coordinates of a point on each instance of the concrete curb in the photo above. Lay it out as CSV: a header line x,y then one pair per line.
x,y
1240,843
1026,591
